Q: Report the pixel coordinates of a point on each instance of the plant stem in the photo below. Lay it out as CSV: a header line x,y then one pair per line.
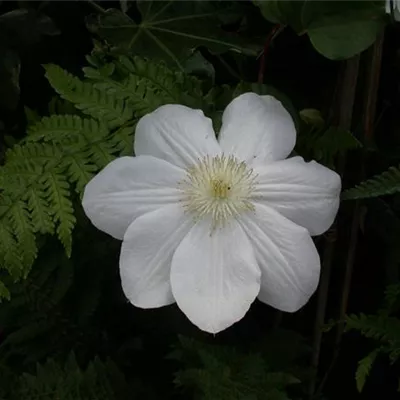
x,y
276,30
372,81
321,305
369,112
97,7
343,109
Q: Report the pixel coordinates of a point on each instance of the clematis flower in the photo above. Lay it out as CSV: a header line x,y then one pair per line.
x,y
214,224
396,9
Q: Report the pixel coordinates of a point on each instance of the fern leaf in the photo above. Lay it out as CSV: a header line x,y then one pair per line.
x,y
57,193
147,85
65,129
379,327
98,104
39,209
60,106
364,368
122,140
61,128
386,183
171,85
392,295
101,152
10,258
79,170
24,231
4,292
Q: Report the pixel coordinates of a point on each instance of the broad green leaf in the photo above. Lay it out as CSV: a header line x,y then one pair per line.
x,y
198,65
314,10
168,30
337,29
341,39
282,12
342,29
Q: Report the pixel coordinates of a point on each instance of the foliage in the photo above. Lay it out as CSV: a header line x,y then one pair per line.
x,y
60,154
51,308
325,144
383,184
68,381
169,30
220,372
337,29
381,327
66,330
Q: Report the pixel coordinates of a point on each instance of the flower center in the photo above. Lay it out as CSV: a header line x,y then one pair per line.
x,y
219,187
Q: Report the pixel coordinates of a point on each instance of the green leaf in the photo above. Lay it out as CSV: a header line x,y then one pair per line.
x,y
364,368
379,327
196,64
341,29
57,191
312,117
324,146
168,30
282,12
386,183
339,39
24,231
4,292
87,98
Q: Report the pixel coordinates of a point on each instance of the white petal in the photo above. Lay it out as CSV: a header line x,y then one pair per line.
x,y
146,254
287,257
215,278
177,134
127,188
306,193
396,9
257,129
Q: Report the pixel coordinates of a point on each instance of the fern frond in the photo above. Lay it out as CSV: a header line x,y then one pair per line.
x,y
379,327
171,85
51,380
98,104
392,295
10,256
364,368
66,130
123,140
386,183
24,231
146,85
39,209
57,192
4,292
79,170
61,153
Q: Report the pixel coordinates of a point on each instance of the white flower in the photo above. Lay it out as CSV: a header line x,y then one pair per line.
x,y
396,9
213,224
